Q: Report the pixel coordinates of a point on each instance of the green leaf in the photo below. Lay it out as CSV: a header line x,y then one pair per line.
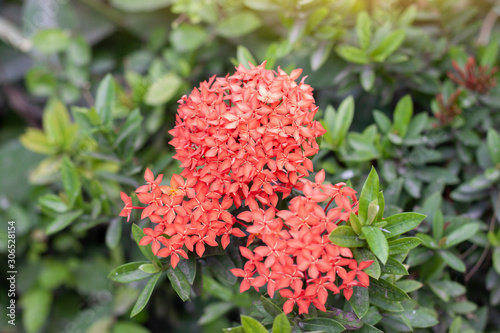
x,y
343,120
128,272
239,24
362,254
353,54
216,289
383,122
377,242
36,305
400,223
187,37
146,250
56,122
179,283
71,181
149,268
322,324
163,89
114,233
221,267
456,325
105,99
490,54
452,260
238,329
188,267
381,206
140,6
145,295
402,116
445,289
360,301
369,192
355,223
131,126
385,290
496,259
127,327
421,317
438,225
388,45
493,140
409,286
270,307
465,307
62,221
244,56
346,237
364,29
367,78
281,324
40,81
53,202
394,267
214,311
461,234
50,41
373,209
403,244
79,51
251,325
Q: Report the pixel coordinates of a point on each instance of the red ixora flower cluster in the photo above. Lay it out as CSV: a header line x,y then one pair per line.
x,y
243,140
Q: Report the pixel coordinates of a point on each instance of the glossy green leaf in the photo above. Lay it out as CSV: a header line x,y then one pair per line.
x,y
149,268
446,289
355,223
346,237
438,225
163,89
421,317
322,324
128,272
400,223
409,286
343,120
369,193
360,301
145,295
105,99
281,324
381,206
353,54
251,325
62,221
221,267
179,282
53,202
188,267
394,267
377,242
383,289
270,307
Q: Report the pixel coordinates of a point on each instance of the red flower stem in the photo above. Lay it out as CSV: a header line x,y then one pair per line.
x,y
133,207
236,221
329,202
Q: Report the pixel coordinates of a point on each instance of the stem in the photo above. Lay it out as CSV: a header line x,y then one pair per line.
x,y
236,221
134,207
329,202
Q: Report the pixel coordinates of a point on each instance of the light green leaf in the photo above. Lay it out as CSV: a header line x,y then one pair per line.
x,y
355,223
493,140
402,116
145,295
369,192
400,223
364,29
40,81
452,260
140,6
62,221
53,202
149,268
71,181
244,56
281,324
128,327
251,325
496,259
239,24
353,54
346,237
409,286
343,120
438,225
50,41
214,311
490,54
388,45
187,37
162,91
79,51
36,305
461,234
421,317
377,242
114,233
394,267
367,78
105,99
128,272
383,122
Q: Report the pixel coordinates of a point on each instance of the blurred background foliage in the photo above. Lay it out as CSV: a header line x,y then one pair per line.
x,y
88,90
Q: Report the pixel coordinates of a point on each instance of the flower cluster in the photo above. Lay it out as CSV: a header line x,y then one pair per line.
x,y
475,78
245,140
296,248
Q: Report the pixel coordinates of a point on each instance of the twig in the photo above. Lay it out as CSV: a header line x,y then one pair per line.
x,y
13,36
488,24
485,251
